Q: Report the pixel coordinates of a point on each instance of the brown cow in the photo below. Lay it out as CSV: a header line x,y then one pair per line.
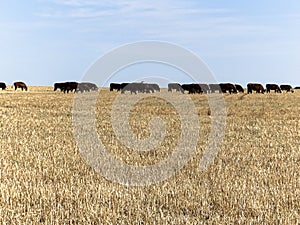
x,y
21,85
287,88
255,87
273,87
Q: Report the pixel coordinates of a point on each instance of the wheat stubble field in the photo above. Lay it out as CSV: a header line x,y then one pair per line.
x,y
45,180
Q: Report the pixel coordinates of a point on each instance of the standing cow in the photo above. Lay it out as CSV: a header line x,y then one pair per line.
x,y
155,87
21,85
61,86
2,85
215,88
239,88
175,86
273,87
204,88
132,87
192,88
114,86
123,87
286,87
255,87
71,86
228,87
86,87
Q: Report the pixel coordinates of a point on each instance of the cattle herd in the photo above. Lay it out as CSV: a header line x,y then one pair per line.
x,y
75,86
201,88
141,87
65,87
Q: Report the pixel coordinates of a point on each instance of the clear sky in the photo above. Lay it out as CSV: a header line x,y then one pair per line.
x,y
44,41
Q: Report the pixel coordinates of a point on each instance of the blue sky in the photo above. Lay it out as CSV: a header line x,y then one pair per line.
x,y
44,41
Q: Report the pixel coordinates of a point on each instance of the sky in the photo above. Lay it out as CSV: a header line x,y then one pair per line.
x,y
46,41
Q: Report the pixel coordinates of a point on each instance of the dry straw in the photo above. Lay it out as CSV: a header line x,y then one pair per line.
x,y
253,180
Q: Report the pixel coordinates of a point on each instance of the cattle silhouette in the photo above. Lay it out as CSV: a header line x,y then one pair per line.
x,y
66,86
20,84
228,87
258,88
273,87
155,87
205,88
239,88
175,86
192,88
215,88
86,87
114,86
61,86
287,88
139,87
2,85
123,87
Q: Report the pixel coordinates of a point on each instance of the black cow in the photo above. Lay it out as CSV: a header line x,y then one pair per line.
x,y
186,87
92,86
145,88
214,88
228,87
66,86
204,88
273,87
2,85
141,87
175,86
155,87
192,88
133,87
82,87
123,87
297,88
286,87
61,86
239,88
255,87
86,87
71,86
21,85
114,86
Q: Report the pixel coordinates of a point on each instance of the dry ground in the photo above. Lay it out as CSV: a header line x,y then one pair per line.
x,y
254,179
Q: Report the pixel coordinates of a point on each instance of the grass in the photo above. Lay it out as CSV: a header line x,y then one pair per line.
x,y
45,180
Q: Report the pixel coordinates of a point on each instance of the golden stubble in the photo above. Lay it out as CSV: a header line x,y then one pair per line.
x,y
254,179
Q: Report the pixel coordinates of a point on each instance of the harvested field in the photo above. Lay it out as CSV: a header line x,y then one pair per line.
x,y
255,178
